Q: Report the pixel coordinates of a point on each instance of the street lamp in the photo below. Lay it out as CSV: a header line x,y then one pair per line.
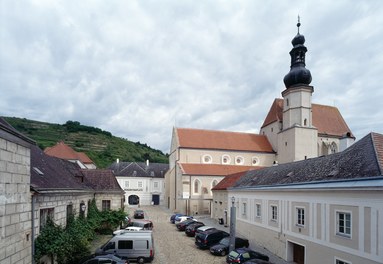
x,y
232,225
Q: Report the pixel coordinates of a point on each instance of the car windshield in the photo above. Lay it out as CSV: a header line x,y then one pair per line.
x,y
233,254
225,241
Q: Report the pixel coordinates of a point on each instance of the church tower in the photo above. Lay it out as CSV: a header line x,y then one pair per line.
x,y
297,139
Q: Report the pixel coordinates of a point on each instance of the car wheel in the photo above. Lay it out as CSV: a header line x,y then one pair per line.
x,y
223,253
140,260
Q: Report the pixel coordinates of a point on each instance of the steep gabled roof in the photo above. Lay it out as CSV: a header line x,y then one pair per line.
x,y
361,160
327,119
139,169
228,181
222,140
212,169
63,151
102,180
53,174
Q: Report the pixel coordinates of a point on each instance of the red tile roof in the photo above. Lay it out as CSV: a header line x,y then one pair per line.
x,y
63,151
212,169
326,118
229,181
223,140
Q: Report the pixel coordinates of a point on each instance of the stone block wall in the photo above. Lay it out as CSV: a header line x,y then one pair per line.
x,y
15,204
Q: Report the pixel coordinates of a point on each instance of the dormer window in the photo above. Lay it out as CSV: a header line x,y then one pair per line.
x,y
207,159
226,159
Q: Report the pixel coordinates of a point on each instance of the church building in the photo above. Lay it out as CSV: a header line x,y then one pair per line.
x,y
294,129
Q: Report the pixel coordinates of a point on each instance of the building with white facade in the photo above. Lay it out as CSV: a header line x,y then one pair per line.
x,y
143,182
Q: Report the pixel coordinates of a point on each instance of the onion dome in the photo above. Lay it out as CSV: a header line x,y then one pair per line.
x,y
298,74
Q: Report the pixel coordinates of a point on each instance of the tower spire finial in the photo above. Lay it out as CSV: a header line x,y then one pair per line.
x,y
299,23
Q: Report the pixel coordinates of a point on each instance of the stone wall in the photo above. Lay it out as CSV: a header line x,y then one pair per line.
x,y
15,203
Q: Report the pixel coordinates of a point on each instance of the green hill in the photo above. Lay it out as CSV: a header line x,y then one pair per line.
x,y
101,146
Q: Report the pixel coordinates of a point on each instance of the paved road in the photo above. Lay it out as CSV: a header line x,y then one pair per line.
x,y
172,246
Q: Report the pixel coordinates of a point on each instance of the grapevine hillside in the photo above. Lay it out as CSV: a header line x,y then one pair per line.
x,y
101,146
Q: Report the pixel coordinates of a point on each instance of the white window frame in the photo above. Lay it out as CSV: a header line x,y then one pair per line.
x,y
274,212
345,228
258,210
300,216
139,184
206,159
126,183
239,160
155,185
244,208
228,161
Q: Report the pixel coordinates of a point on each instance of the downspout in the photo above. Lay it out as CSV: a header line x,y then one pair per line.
x,y
33,227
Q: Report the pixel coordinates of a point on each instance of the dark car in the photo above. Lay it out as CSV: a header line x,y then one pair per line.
x,y
257,261
139,214
106,259
241,255
182,225
208,238
222,248
173,218
190,229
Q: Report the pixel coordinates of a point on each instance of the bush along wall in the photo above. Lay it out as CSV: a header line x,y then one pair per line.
x,y
70,244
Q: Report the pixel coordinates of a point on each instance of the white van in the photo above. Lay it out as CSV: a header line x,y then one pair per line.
x,y
138,245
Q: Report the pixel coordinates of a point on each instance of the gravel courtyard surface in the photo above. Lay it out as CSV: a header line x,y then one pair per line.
x,y
173,246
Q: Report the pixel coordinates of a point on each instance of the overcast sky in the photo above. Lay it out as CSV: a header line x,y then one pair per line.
x,y
139,68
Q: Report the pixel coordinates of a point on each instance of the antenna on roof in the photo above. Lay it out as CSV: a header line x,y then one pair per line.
x,y
299,23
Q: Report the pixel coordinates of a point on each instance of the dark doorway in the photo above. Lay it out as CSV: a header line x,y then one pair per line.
x,y
299,254
133,199
156,199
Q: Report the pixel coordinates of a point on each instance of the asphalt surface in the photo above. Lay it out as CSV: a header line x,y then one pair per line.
x,y
173,246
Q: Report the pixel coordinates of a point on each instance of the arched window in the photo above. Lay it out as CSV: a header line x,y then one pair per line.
x,y
305,122
197,186
214,183
333,148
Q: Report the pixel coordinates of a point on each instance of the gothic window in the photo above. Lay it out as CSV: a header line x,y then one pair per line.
x,y
333,148
197,186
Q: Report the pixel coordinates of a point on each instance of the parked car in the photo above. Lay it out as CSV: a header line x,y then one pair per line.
x,y
139,214
182,226
137,246
241,255
135,225
203,228
106,259
257,261
190,229
208,238
222,248
173,217
182,218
